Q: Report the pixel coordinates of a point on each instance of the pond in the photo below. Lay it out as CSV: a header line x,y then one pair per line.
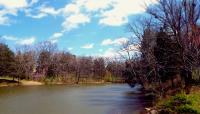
x,y
63,99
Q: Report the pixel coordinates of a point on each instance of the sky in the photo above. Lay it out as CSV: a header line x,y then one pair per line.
x,y
82,27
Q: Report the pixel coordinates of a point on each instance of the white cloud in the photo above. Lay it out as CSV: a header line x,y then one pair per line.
x,y
54,38
113,20
20,41
57,35
41,11
70,9
80,12
12,38
88,46
12,4
77,12
33,2
133,47
121,54
107,42
38,16
131,51
95,5
119,41
118,15
26,41
109,12
74,21
70,48
17,4
72,14
12,7
110,53
4,20
49,10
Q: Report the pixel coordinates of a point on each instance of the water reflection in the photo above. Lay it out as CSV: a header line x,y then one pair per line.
x,y
108,99
120,98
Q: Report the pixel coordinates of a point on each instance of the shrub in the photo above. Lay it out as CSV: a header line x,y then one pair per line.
x,y
187,109
182,104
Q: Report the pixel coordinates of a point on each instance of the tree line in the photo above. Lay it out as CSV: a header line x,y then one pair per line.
x,y
44,61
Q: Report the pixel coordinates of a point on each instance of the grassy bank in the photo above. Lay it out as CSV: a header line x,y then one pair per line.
x,y
181,103
7,81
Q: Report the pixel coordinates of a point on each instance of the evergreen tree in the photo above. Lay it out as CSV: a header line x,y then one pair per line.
x,y
7,61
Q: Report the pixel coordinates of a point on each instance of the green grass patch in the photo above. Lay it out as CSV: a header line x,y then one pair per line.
x,y
181,104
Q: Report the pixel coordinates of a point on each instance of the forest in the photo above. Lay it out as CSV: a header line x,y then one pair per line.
x,y
44,62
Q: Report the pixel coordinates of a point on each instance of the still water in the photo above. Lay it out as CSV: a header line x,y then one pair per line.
x,y
62,99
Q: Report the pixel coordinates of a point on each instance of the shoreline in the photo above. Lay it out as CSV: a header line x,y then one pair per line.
x,y
38,83
21,83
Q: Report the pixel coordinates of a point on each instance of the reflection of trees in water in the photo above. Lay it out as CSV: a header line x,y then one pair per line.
x,y
132,102
117,99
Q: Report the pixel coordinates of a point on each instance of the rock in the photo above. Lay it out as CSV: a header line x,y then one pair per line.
x,y
148,109
151,111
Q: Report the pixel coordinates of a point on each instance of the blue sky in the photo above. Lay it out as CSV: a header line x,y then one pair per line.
x,y
83,27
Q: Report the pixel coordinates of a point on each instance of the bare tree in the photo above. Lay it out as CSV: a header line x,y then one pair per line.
x,y
180,20
26,62
45,52
99,68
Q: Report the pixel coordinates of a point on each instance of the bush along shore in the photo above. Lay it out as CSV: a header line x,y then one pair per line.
x,y
180,103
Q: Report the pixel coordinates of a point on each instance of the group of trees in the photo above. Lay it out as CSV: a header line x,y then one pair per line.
x,y
45,61
169,45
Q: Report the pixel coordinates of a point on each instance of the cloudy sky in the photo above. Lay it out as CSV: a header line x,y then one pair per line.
x,y
83,27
